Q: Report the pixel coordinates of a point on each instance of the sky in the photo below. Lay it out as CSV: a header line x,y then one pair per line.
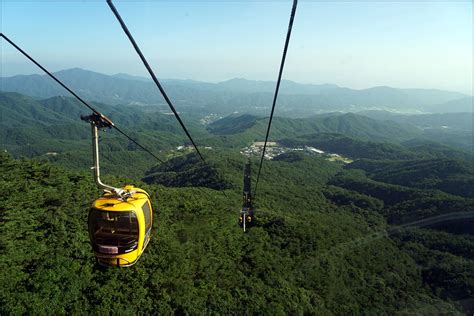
x,y
427,44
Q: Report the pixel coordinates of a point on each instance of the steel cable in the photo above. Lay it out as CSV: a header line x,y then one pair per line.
x,y
285,49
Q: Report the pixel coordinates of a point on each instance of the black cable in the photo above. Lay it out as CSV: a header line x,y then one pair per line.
x,y
150,71
48,73
78,97
288,35
155,79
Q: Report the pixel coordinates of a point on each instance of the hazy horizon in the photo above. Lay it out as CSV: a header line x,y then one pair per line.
x,y
141,77
357,45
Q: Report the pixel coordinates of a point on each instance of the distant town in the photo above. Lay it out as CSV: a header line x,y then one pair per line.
x,y
274,150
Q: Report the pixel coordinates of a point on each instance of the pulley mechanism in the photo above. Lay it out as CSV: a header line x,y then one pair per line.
x,y
99,120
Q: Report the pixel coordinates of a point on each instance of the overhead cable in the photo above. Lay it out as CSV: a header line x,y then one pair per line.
x,y
285,49
78,97
152,74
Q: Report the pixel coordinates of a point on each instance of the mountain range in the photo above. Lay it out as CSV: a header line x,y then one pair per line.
x,y
237,95
32,127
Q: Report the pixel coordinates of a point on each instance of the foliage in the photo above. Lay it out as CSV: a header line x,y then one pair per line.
x,y
350,147
451,176
328,238
317,257
349,124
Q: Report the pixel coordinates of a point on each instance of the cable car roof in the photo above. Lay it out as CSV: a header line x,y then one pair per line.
x,y
110,202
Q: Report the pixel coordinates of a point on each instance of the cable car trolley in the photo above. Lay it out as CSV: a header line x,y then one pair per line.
x,y
246,214
120,220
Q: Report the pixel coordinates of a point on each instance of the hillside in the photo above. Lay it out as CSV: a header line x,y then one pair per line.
x,y
308,259
240,130
448,175
465,104
438,150
25,111
348,124
351,147
398,219
52,129
455,121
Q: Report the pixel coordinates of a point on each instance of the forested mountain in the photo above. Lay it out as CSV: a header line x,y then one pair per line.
x,y
52,129
351,147
32,127
459,105
348,124
320,245
127,195
453,121
287,87
246,128
20,110
245,96
389,233
449,175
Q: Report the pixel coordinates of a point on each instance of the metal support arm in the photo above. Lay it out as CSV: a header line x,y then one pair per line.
x,y
100,121
96,168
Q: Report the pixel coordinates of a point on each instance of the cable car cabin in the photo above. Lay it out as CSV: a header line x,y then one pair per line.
x,y
246,214
120,229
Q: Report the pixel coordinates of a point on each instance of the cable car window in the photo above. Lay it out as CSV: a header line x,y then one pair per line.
x,y
147,212
113,232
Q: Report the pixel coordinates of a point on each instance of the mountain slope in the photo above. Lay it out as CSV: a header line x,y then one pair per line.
x,y
320,244
455,121
448,175
465,104
350,147
52,129
19,110
348,124
90,85
22,111
198,259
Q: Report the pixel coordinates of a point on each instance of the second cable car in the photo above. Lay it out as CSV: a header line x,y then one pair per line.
x,y
120,221
246,214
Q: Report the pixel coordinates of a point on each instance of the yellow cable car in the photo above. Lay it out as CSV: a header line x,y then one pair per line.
x,y
120,221
120,230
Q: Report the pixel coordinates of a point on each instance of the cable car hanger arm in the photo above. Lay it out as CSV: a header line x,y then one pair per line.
x,y
99,121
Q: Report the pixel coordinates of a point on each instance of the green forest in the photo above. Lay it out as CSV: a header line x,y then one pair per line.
x,y
390,233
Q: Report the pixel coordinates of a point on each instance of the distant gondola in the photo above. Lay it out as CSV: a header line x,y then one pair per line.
x,y
246,214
